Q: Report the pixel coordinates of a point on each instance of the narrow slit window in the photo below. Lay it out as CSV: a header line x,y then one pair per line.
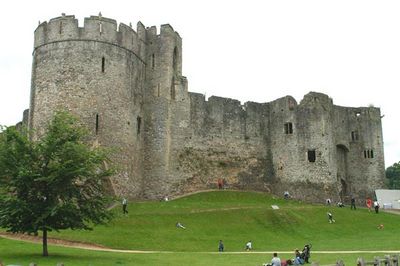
x,y
311,156
139,122
354,135
103,64
172,91
153,60
288,128
100,28
175,59
61,25
97,124
372,154
365,154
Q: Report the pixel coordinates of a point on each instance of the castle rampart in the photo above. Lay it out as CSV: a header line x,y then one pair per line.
x,y
96,28
127,87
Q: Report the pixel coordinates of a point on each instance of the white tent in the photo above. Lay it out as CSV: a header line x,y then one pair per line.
x,y
388,198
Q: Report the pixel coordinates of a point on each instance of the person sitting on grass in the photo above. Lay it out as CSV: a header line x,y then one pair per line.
x,y
179,225
298,260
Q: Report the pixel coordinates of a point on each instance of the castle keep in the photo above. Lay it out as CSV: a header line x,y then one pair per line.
x,y
127,87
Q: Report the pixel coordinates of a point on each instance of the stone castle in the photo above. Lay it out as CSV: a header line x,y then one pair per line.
x,y
127,88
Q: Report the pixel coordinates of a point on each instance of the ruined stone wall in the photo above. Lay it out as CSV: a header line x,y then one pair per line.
x,y
360,130
309,131
227,141
127,87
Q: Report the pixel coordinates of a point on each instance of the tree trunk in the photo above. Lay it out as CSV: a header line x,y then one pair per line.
x,y
45,252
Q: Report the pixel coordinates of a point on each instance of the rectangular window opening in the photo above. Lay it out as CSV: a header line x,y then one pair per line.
x,y
354,135
288,128
103,62
311,156
139,122
372,154
152,61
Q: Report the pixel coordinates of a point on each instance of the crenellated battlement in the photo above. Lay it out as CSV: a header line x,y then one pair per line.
x,y
99,28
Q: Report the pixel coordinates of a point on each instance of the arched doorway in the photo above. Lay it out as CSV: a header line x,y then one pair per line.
x,y
342,171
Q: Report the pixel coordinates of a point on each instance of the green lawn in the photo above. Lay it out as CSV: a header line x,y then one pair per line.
x,y
234,217
20,253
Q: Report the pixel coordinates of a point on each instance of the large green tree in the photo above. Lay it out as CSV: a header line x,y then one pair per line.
x,y
393,174
53,183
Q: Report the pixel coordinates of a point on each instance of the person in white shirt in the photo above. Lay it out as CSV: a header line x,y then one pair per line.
x,y
276,261
248,246
376,206
179,225
124,205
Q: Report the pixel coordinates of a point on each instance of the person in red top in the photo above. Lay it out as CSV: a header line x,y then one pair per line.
x,y
369,204
220,183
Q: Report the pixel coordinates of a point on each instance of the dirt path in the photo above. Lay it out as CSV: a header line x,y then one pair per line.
x,y
87,246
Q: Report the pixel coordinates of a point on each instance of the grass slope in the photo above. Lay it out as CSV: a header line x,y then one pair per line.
x,y
236,217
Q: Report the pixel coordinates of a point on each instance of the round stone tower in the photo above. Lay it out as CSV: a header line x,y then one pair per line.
x,y
98,73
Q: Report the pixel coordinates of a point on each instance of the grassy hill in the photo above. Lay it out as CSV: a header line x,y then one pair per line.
x,y
236,217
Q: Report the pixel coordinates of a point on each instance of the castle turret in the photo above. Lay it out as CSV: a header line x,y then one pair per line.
x,y
166,105
98,73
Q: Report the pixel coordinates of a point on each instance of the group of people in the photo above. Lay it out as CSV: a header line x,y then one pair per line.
x,y
248,246
375,204
299,258
368,202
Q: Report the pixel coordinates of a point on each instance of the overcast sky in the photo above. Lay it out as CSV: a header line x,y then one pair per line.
x,y
247,50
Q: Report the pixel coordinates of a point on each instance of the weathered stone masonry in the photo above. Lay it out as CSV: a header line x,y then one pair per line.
x,y
127,87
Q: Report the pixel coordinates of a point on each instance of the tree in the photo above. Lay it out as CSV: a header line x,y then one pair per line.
x,y
54,183
393,174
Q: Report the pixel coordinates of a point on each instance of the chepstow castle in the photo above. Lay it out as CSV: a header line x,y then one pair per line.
x,y
127,87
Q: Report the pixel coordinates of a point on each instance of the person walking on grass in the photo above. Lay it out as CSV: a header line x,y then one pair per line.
x,y
221,246
376,206
124,205
249,246
330,217
353,203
